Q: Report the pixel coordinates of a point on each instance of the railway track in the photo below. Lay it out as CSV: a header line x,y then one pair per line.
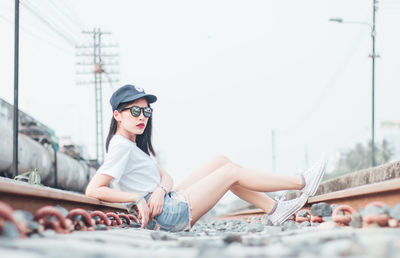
x,y
358,197
78,212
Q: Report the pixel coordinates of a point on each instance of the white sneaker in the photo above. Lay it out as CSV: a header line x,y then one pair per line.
x,y
284,209
313,177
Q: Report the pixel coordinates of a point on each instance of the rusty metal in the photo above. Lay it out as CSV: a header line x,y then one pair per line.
x,y
6,214
300,219
133,217
31,198
61,225
344,218
387,191
125,218
380,219
79,224
115,220
103,218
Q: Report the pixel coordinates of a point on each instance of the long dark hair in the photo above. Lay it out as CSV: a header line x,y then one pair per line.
x,y
143,141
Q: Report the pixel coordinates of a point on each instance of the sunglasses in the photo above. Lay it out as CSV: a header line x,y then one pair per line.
x,y
135,111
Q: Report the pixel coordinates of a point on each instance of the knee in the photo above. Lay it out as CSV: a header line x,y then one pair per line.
x,y
232,169
221,160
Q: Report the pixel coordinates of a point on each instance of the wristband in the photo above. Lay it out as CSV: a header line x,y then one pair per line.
x,y
164,188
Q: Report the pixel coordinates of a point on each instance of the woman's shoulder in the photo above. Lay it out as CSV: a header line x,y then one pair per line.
x,y
120,142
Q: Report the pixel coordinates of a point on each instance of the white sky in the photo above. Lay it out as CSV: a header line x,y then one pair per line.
x,y
226,73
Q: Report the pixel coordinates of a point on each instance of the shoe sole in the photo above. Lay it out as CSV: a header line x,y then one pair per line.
x,y
316,182
286,215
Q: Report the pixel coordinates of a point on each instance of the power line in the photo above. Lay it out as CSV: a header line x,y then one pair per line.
x,y
33,35
49,25
66,15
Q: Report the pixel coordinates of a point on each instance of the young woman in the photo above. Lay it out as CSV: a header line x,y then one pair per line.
x,y
134,176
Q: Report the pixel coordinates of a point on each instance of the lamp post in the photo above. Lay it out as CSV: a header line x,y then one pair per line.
x,y
373,56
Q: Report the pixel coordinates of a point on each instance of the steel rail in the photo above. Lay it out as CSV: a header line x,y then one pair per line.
x,y
31,197
387,191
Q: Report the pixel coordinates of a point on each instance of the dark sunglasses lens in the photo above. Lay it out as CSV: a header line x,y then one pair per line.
x,y
135,111
147,112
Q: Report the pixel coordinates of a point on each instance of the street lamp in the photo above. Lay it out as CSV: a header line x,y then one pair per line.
x,y
373,56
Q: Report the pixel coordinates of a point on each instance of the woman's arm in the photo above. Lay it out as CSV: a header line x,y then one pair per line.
x,y
166,179
97,188
156,200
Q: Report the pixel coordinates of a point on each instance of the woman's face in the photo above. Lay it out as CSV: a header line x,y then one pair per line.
x,y
128,125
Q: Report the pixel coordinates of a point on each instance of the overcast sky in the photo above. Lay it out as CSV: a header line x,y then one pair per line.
x,y
226,73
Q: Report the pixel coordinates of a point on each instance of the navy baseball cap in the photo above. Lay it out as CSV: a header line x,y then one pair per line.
x,y
129,93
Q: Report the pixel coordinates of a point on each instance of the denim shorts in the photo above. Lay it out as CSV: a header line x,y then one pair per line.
x,y
175,215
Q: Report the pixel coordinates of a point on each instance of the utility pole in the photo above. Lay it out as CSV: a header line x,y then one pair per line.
x,y
100,60
16,65
373,56
273,151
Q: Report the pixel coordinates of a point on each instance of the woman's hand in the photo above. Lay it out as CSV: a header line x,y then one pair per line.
x,y
143,212
156,202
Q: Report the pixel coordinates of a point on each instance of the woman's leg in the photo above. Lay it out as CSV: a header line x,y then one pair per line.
x,y
206,192
258,199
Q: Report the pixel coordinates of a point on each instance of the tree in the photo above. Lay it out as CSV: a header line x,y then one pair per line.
x,y
360,157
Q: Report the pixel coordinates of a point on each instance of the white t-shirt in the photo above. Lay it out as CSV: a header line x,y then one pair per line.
x,y
131,168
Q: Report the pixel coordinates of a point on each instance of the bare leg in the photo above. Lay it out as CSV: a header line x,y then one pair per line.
x,y
206,192
258,199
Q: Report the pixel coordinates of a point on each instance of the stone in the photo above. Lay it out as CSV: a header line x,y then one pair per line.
x,y
356,220
63,211
231,238
100,227
9,230
47,233
289,225
321,209
162,236
327,225
305,224
256,241
21,215
302,213
372,210
395,212
341,247
255,227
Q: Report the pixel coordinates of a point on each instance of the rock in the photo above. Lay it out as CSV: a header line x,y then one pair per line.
x,y
256,241
372,210
63,211
302,213
33,225
100,227
162,236
321,209
395,212
305,224
47,233
232,238
328,218
341,247
356,220
327,225
134,225
289,225
21,215
9,230
255,227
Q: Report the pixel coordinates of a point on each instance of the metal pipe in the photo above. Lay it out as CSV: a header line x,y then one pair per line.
x,y
15,116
